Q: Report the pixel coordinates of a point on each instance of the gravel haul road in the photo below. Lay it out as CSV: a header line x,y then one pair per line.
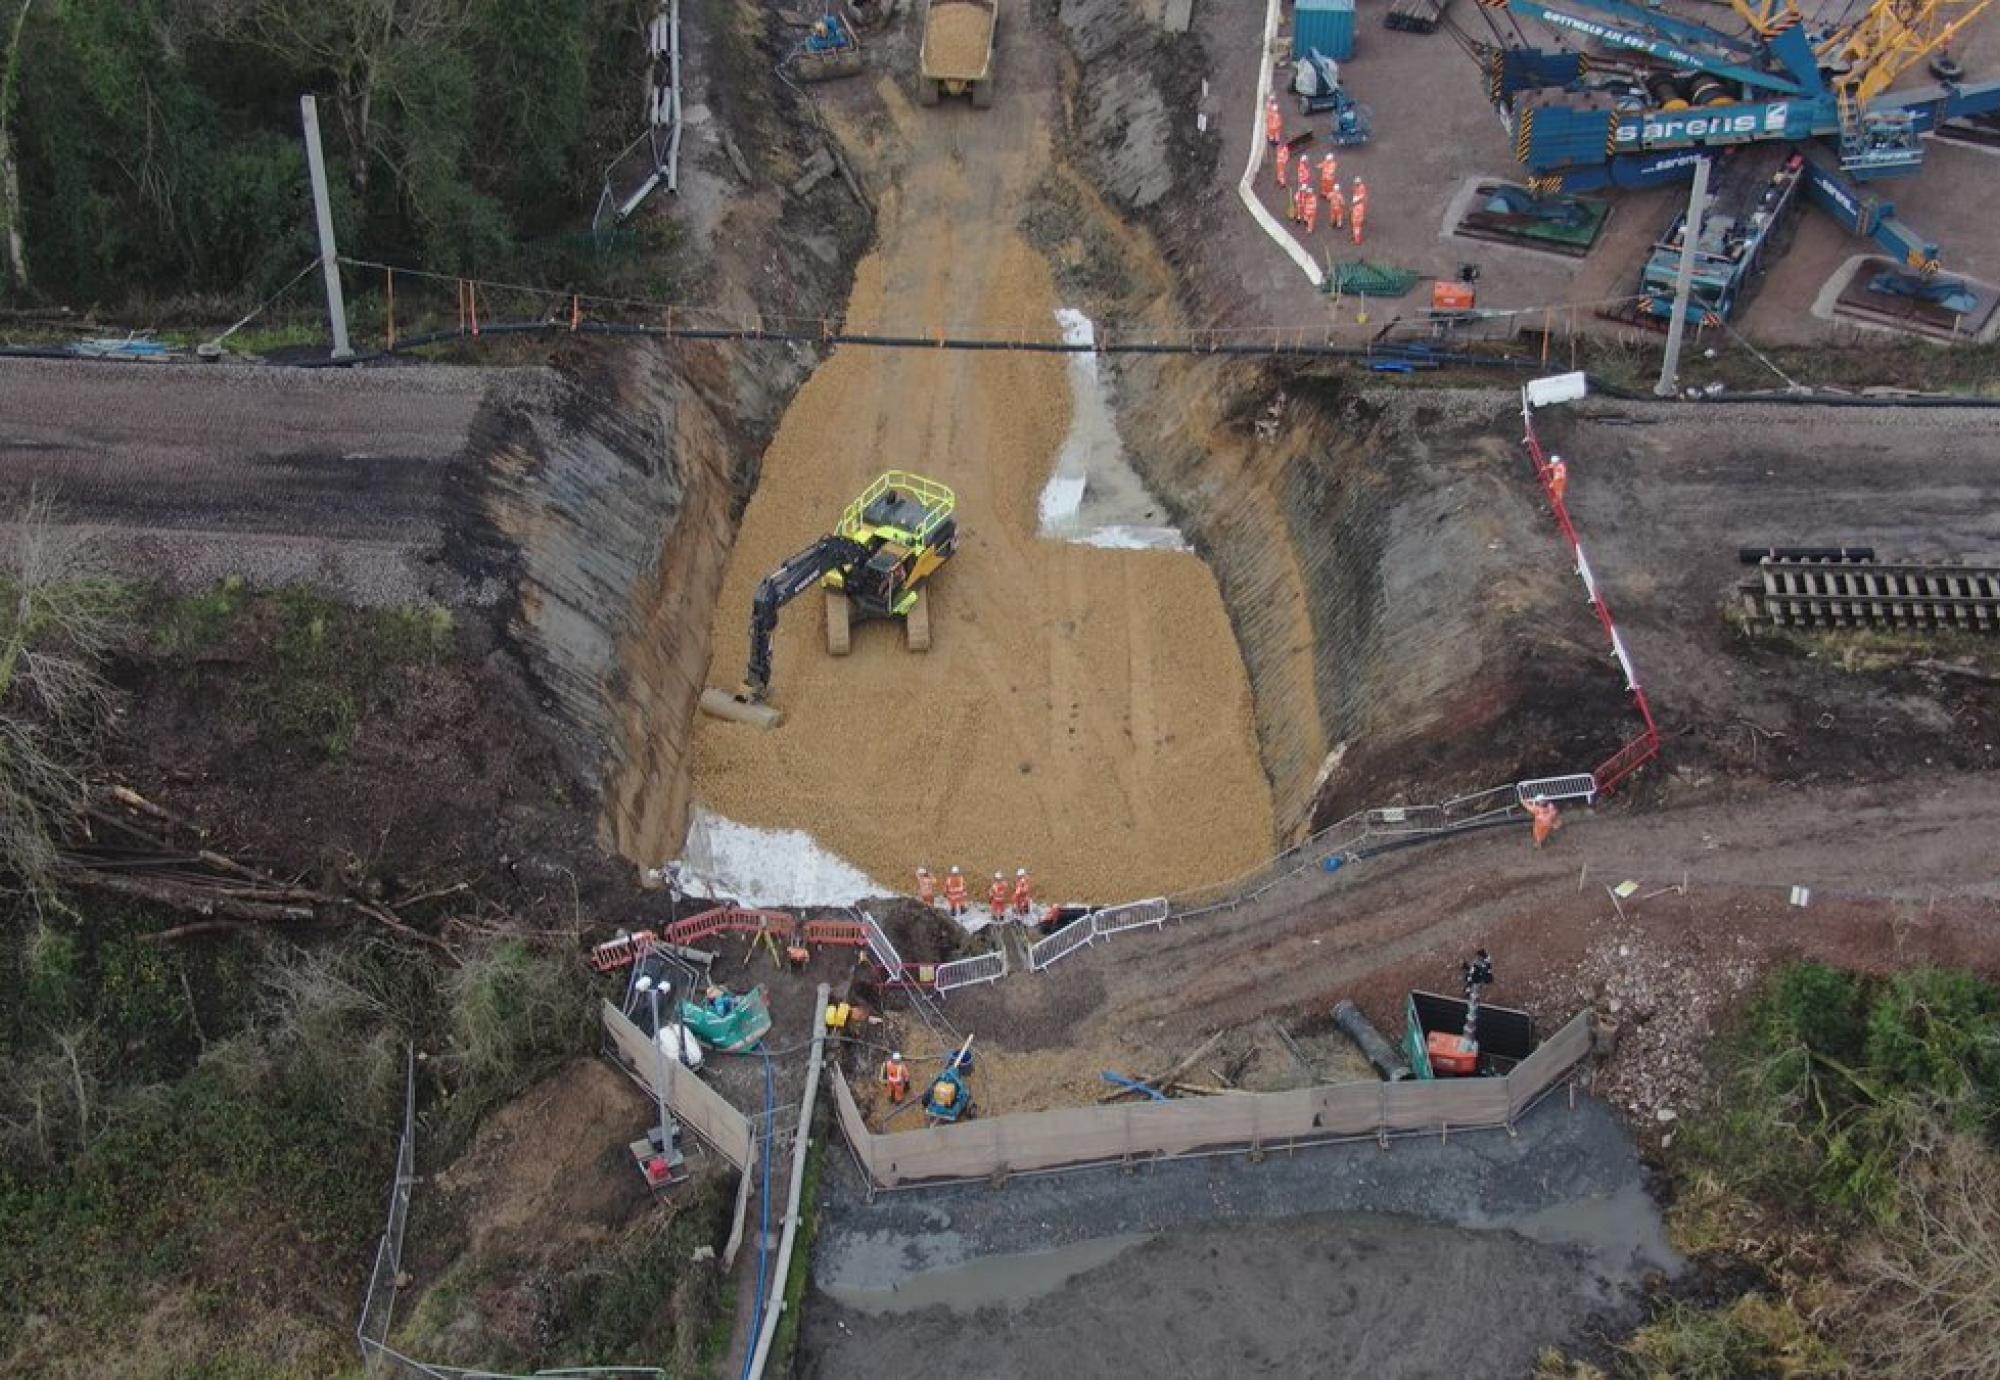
x,y
197,472
1082,712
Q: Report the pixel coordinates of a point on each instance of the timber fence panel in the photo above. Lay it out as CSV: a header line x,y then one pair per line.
x,y
1550,1063
699,1107
852,1124
1031,1141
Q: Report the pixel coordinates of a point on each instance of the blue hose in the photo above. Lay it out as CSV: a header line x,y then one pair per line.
x,y
764,1213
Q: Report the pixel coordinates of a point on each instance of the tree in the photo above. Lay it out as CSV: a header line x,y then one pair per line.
x,y
377,53
55,624
10,176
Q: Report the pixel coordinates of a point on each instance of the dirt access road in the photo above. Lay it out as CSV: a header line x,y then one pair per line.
x,y
1084,712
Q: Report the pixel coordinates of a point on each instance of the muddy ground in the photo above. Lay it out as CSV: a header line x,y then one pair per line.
x,y
1224,1265
1665,501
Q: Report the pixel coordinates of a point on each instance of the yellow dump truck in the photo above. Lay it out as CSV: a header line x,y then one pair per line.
x,y
957,56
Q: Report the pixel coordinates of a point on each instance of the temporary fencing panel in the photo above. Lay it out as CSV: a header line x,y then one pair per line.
x,y
969,972
879,945
1084,1135
1580,787
1076,935
1135,915
699,1107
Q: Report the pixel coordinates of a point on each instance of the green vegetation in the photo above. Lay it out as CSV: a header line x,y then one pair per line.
x,y
326,665
1752,1336
1837,1084
1851,1153
785,1345
159,153
56,622
198,1133
638,1298
220,1123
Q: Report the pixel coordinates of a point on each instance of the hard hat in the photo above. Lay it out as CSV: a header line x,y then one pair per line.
x,y
954,869
715,991
998,878
897,1056
1020,872
923,871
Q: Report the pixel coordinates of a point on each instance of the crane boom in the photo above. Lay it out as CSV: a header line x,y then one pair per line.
x,y
1670,43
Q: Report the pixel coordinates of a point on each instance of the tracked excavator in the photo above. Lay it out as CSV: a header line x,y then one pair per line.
x,y
874,564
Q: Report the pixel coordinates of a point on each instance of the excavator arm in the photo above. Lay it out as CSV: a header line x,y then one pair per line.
x,y
797,575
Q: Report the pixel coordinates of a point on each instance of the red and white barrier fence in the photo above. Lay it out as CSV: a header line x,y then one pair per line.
x,y
1646,745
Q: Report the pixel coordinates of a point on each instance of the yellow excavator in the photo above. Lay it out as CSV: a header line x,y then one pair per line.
x,y
874,564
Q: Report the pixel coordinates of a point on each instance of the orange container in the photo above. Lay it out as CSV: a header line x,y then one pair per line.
x,y
1452,1056
1451,296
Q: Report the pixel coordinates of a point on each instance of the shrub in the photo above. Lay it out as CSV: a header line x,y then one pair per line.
x,y
1934,1034
509,1005
1928,1294
1753,1336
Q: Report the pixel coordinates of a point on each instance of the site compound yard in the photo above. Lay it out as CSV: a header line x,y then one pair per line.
x,y
1133,686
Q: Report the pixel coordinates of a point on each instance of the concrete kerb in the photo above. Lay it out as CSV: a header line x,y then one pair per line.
x,y
1246,189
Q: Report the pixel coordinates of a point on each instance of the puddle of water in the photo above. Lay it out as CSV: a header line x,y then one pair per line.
x,y
1095,497
1009,1280
1623,1220
768,867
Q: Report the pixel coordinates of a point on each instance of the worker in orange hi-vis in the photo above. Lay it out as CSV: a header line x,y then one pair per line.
x,y
1024,894
1545,817
1283,160
1274,123
1329,176
1308,205
998,895
1359,208
926,887
1558,479
1336,207
896,1074
954,892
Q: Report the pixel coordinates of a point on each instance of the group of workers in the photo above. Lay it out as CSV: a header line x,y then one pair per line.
x,y
1002,898
1310,189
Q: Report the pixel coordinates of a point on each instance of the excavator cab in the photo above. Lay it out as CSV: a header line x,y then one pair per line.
x,y
906,525
874,564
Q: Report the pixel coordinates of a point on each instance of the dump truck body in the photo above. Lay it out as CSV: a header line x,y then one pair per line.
x,y
957,54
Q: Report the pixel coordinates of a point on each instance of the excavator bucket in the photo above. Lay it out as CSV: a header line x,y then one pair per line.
x,y
738,709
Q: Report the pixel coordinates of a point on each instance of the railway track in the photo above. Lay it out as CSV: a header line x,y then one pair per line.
x,y
1870,594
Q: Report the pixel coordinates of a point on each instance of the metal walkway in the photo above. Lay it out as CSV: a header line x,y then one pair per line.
x,y
1865,594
